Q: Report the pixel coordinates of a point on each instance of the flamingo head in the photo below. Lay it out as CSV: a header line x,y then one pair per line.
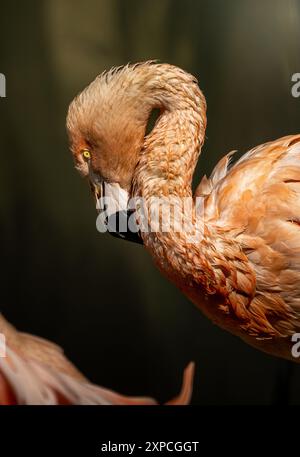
x,y
106,125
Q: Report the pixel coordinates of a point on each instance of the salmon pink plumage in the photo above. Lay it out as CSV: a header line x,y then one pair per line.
x,y
243,270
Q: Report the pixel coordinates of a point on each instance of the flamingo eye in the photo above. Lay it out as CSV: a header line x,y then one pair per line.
x,y
86,154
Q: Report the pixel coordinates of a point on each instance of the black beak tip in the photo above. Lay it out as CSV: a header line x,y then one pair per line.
x,y
118,227
129,236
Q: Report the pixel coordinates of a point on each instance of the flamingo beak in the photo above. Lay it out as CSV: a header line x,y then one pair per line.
x,y
112,202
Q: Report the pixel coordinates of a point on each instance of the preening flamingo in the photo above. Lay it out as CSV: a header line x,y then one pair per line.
x,y
243,270
36,372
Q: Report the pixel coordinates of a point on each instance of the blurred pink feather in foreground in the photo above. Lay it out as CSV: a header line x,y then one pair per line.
x,y
36,372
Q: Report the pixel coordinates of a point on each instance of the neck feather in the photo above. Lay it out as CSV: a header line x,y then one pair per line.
x,y
165,170
170,152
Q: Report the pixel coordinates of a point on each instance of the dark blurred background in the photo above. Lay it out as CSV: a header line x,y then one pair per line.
x,y
117,318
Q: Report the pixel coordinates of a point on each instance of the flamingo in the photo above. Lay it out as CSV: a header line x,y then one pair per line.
x,y
34,371
242,266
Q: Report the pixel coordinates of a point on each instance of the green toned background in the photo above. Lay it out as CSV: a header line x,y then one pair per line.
x,y
118,319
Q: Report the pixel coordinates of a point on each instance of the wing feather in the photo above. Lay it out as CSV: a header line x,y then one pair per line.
x,y
36,372
257,204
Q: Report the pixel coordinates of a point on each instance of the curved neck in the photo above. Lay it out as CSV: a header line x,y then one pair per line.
x,y
170,152
165,170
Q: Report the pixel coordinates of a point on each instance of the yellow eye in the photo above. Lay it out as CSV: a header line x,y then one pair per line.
x,y
86,154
